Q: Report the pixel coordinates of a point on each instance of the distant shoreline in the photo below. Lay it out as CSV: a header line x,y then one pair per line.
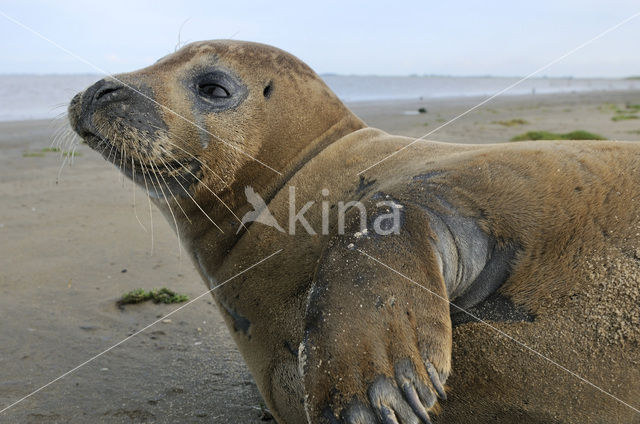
x,y
33,97
394,108
472,100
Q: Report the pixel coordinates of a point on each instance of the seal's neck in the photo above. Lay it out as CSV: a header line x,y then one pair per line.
x,y
346,125
203,239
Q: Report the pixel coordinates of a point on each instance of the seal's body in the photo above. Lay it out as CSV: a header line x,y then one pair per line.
x,y
358,317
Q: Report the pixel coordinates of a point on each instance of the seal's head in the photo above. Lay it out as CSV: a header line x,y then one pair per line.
x,y
221,114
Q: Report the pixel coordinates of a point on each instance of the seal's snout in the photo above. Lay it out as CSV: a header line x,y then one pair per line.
x,y
113,106
99,96
105,91
86,103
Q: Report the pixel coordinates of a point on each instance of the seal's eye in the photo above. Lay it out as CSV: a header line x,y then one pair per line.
x,y
216,89
213,91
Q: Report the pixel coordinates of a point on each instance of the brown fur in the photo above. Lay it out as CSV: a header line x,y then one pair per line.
x,y
562,203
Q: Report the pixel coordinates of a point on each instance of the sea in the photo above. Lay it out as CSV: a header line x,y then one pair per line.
x,y
24,97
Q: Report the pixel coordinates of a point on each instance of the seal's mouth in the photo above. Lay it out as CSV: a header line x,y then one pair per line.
x,y
119,157
162,177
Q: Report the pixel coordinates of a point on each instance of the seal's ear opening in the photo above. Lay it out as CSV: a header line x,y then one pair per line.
x,y
267,90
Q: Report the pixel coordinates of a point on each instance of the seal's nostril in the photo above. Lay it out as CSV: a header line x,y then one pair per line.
x,y
104,91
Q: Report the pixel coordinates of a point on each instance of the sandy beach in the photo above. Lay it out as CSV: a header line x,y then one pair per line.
x,y
70,249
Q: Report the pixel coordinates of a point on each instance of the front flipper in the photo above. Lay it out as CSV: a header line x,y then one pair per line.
x,y
377,347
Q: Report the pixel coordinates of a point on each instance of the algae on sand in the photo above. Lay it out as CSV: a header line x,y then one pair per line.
x,y
546,135
623,117
40,153
629,112
163,295
511,123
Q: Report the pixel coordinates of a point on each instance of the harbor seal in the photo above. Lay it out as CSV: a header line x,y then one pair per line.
x,y
486,259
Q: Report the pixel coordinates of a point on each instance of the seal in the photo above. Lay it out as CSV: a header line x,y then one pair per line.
x,y
477,258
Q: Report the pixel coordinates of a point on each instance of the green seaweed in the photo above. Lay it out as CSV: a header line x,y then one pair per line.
x,y
623,117
607,107
163,295
511,123
546,135
41,153
629,112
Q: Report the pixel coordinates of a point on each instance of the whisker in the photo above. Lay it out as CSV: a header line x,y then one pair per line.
x,y
122,157
194,201
59,120
133,191
110,152
73,155
58,106
70,137
199,180
60,170
206,186
106,146
150,209
112,135
133,184
168,205
169,189
60,132
194,157
63,135
65,157
202,163
71,145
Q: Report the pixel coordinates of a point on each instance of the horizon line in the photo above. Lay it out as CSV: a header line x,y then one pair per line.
x,y
336,74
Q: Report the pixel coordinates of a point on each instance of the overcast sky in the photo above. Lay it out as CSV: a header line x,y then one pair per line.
x,y
482,37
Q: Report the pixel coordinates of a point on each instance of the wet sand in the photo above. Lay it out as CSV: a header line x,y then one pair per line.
x,y
69,251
